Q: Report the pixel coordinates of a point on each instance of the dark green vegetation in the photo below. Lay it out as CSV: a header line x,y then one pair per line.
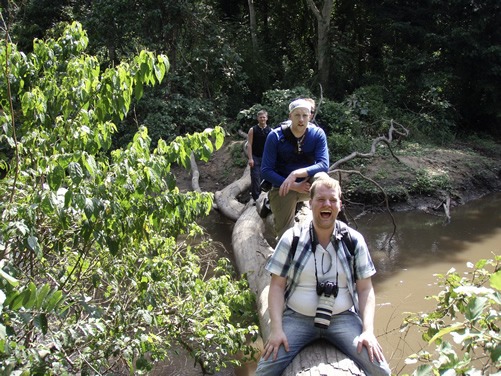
x,y
103,269
435,66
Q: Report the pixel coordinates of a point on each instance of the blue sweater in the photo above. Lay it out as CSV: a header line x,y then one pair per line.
x,y
280,156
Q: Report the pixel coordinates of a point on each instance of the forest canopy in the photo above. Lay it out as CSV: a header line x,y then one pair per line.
x,y
434,65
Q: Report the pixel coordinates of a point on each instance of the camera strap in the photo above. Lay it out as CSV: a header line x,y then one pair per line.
x,y
314,243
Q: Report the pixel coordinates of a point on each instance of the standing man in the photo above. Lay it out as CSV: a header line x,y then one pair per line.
x,y
256,138
293,154
323,289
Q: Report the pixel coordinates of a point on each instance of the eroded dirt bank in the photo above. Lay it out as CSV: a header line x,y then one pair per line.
x,y
421,179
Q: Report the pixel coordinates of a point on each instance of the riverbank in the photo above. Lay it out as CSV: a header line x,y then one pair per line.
x,y
421,177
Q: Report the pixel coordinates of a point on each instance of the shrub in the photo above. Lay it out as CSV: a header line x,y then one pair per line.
x,y
468,314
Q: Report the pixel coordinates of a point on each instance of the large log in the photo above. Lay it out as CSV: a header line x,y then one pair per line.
x,y
226,199
251,251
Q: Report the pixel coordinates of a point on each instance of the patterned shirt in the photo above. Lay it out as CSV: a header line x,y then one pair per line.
x,y
279,263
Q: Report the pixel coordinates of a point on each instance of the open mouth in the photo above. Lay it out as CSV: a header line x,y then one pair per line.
x,y
325,213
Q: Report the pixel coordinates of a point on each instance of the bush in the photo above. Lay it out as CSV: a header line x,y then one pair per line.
x,y
468,314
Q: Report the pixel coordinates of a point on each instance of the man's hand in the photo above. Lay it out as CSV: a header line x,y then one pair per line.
x,y
291,184
274,343
374,349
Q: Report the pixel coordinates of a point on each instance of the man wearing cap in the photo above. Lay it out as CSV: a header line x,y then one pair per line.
x,y
293,155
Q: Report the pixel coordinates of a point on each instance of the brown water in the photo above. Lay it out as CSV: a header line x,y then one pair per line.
x,y
423,245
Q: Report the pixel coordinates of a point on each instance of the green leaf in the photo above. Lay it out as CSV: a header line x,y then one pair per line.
x,y
55,177
219,137
30,297
33,245
475,308
89,163
12,281
41,294
453,328
17,301
138,90
52,301
40,322
75,172
495,280
89,207
113,245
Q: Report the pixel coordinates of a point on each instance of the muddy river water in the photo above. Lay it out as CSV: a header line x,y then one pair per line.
x,y
422,246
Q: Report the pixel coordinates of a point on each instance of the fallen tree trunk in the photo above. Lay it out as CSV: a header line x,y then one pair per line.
x,y
226,200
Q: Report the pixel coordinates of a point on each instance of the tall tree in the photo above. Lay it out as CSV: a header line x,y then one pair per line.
x,y
253,26
323,14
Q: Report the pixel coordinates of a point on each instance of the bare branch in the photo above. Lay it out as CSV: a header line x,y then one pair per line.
x,y
395,128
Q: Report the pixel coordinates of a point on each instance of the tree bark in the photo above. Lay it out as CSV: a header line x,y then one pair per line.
x,y
253,27
323,28
226,200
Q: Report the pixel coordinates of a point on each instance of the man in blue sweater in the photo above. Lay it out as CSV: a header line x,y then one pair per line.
x,y
293,154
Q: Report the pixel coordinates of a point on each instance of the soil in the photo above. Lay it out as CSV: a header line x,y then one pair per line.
x,y
419,178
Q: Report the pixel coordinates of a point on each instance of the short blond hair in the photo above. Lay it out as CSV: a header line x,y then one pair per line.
x,y
325,180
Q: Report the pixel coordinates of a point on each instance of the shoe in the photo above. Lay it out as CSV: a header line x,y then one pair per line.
x,y
265,208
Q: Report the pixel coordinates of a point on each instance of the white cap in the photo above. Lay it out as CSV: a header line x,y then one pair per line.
x,y
299,103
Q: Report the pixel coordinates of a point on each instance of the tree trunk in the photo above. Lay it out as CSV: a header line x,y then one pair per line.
x,y
253,27
323,28
226,200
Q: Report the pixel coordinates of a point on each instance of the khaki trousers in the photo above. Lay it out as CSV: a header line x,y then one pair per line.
x,y
284,208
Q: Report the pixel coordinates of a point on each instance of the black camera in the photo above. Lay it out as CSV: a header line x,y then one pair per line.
x,y
327,292
265,186
327,288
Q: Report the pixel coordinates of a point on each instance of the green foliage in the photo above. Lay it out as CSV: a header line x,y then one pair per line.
x,y
438,75
237,155
428,182
468,312
276,103
101,272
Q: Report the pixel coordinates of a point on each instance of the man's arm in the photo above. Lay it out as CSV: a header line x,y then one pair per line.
x,y
269,161
250,139
367,304
321,154
276,298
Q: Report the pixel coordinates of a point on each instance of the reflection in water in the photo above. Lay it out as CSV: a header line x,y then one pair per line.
x,y
423,245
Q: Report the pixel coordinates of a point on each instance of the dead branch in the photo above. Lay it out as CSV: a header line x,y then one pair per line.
x,y
395,128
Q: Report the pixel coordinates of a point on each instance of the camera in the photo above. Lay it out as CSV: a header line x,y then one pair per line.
x,y
265,186
327,292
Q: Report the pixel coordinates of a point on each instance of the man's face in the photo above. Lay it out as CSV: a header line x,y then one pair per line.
x,y
300,118
325,206
262,119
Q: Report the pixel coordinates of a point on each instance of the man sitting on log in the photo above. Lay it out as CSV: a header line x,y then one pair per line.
x,y
293,153
321,287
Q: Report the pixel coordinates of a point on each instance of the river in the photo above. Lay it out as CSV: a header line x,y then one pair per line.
x,y
422,246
